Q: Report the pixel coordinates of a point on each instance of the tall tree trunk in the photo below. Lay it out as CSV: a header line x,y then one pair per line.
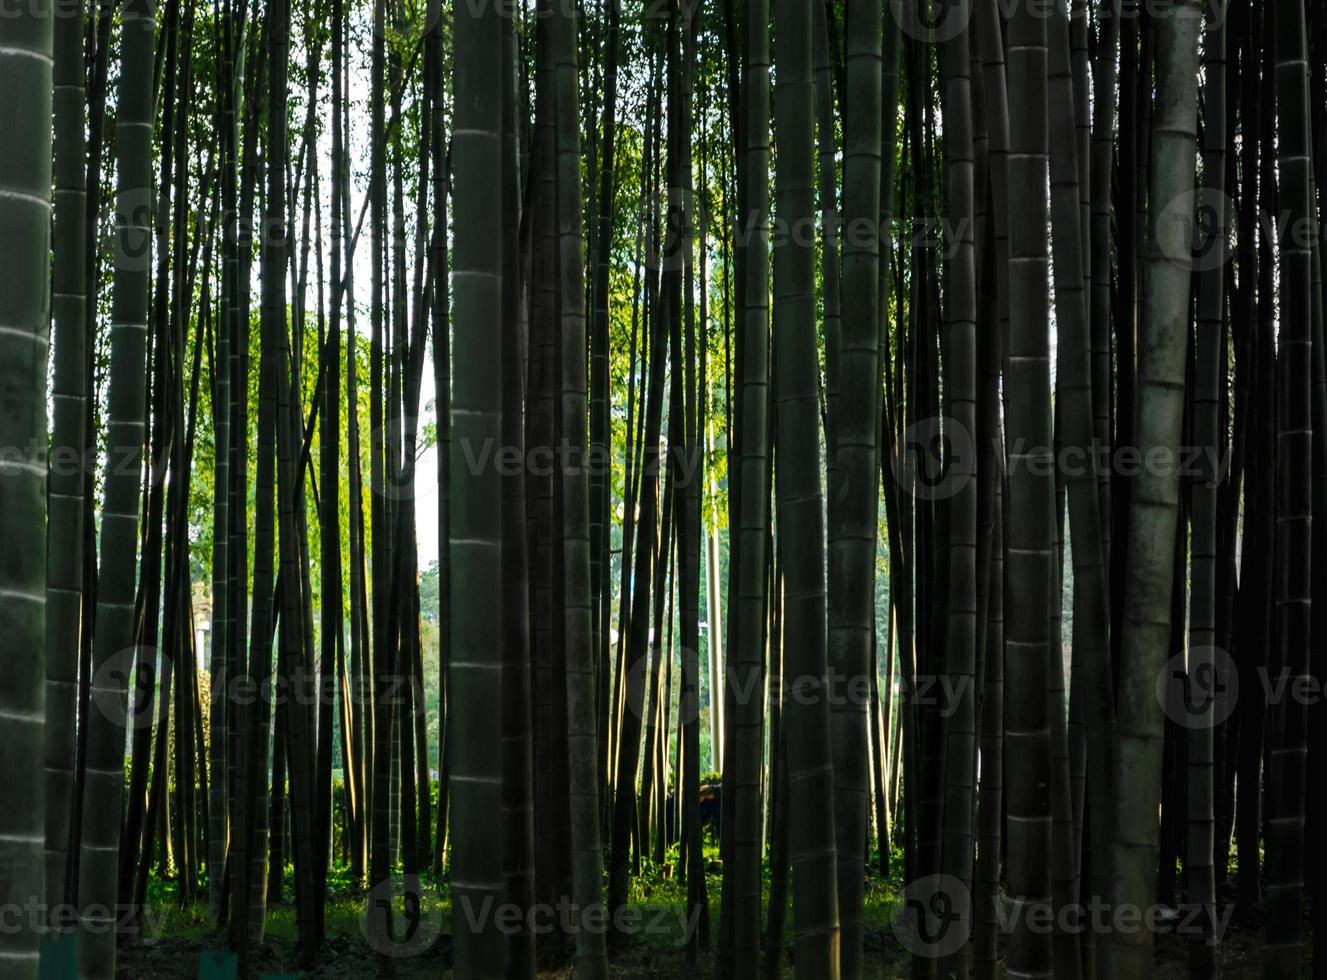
x,y
748,579
853,479
801,509
518,789
1210,341
441,336
960,356
1077,439
1287,731
690,527
628,751
26,43
1105,75
476,762
1029,500
601,497
990,799
219,705
64,534
331,593
1154,495
103,792
578,601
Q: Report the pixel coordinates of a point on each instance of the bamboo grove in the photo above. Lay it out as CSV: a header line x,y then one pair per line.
x,y
504,456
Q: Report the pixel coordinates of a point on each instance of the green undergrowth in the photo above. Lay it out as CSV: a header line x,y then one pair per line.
x,y
657,904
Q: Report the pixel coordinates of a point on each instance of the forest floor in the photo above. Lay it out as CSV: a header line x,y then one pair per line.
x,y
176,938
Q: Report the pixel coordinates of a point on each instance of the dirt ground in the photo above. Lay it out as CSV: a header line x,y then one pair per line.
x,y
348,957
